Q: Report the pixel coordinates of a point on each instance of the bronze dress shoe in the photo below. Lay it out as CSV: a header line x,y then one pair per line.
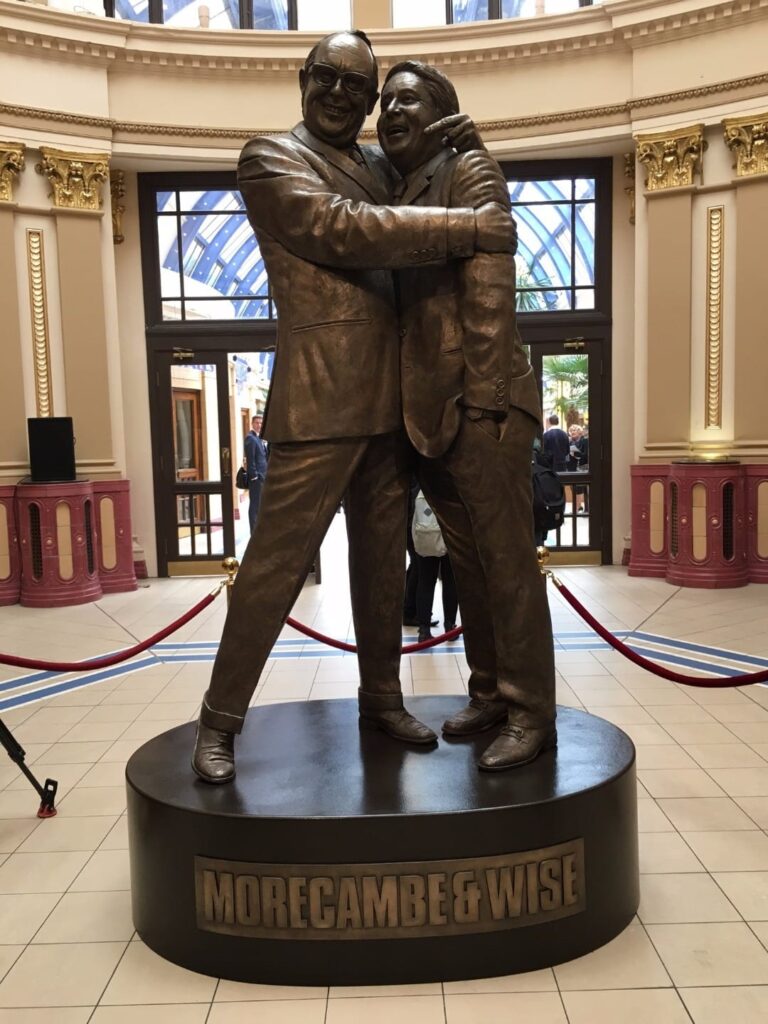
x,y
516,746
401,725
477,716
385,712
214,756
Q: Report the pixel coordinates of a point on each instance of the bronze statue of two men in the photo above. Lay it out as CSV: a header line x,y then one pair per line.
x,y
394,278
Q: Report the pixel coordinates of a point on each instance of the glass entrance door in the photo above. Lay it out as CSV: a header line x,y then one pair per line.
x,y
194,462
569,376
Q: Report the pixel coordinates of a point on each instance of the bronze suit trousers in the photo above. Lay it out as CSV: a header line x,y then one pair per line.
x,y
480,490
303,489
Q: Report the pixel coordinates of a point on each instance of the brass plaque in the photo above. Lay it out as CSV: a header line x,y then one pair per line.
x,y
383,901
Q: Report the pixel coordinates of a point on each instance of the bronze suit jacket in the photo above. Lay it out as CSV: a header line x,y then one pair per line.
x,y
460,343
328,253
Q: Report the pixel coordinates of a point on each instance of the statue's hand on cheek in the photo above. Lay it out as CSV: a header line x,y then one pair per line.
x,y
458,131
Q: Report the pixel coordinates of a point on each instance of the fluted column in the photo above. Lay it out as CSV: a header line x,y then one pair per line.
x,y
671,160
12,411
77,183
747,138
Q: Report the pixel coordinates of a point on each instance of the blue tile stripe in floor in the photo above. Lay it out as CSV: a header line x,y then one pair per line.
x,y
37,686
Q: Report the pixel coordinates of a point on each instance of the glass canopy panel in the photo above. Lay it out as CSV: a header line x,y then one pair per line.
x,y
328,16
270,14
469,10
184,13
132,10
210,259
407,14
518,8
560,6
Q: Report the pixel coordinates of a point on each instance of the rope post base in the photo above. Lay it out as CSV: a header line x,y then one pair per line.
x,y
16,752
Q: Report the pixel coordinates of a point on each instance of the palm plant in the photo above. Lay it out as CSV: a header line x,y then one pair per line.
x,y
568,377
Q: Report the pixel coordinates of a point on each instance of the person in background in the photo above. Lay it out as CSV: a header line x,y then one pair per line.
x,y
556,442
255,453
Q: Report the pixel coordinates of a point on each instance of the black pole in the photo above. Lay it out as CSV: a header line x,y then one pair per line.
x,y
46,792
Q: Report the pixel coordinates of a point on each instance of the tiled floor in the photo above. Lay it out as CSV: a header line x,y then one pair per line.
x,y
698,950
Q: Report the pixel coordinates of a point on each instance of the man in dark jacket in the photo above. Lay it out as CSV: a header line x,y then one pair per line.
x,y
255,467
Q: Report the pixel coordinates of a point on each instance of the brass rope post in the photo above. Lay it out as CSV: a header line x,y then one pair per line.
x,y
230,565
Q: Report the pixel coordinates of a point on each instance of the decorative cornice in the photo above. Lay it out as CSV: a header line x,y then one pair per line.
x,y
671,158
747,139
117,192
629,191
713,404
11,166
38,304
108,126
74,177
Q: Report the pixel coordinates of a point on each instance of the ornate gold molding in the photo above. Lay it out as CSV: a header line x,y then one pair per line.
x,y
74,177
713,384
747,139
117,192
671,158
11,166
38,304
629,191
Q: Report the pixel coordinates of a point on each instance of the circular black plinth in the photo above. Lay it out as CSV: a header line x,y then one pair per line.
x,y
340,856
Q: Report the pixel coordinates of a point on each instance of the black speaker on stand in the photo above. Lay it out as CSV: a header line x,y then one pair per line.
x,y
51,449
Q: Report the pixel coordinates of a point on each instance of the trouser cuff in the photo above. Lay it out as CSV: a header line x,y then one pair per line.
x,y
220,719
379,701
530,719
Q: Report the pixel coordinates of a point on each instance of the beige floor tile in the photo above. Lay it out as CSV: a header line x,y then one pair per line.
x,y
93,802
647,734
650,817
682,899
677,703
750,732
21,915
756,807
530,981
523,1008
117,838
622,716
666,853
725,755
95,731
742,781
105,773
385,1009
368,991
40,872
48,1015
41,732
293,1011
601,698
730,851
8,956
89,917
60,975
106,871
144,977
243,992
74,752
747,1005
663,755
63,834
113,713
733,713
710,954
685,782
748,891
190,1014
19,803
13,832
677,715
121,750
699,732
638,1006
760,928
67,776
703,814
628,961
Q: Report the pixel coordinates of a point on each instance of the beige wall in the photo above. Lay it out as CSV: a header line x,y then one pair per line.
x,y
580,84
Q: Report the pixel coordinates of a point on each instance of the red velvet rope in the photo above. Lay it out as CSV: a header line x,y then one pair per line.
x,y
340,645
108,659
658,670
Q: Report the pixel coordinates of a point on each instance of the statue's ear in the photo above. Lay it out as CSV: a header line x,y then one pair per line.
x,y
372,102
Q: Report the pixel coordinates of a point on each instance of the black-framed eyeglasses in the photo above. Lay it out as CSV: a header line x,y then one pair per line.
x,y
326,77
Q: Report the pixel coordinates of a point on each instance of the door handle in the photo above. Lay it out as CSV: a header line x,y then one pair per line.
x,y
226,462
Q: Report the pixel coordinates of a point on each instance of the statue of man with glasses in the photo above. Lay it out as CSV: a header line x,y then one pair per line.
x,y
316,201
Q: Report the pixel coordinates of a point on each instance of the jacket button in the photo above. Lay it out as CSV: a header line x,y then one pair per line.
x,y
402,332
499,400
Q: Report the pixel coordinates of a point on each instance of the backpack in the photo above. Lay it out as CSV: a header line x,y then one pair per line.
x,y
548,498
427,538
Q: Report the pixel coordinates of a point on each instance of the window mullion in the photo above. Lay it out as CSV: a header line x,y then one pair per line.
x,y
156,12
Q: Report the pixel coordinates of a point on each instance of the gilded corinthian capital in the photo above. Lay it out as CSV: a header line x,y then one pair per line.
x,y
671,158
75,177
747,139
11,165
